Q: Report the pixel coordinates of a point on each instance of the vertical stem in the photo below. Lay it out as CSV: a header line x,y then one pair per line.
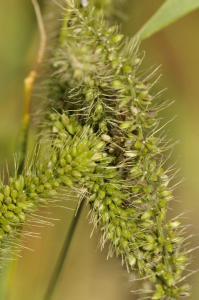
x,y
25,120
58,268
28,86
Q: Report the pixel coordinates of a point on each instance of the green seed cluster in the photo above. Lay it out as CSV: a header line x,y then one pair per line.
x,y
74,154
95,81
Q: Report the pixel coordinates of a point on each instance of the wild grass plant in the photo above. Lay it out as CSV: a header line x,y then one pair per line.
x,y
101,137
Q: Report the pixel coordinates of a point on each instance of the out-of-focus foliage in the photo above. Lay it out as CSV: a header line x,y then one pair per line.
x,y
87,274
17,32
169,12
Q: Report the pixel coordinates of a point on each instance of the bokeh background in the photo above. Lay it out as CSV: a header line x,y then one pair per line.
x,y
87,275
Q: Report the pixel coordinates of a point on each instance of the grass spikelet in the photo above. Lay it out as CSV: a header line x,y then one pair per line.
x,y
71,154
95,81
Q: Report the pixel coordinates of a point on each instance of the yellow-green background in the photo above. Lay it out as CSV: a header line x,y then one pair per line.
x,y
87,275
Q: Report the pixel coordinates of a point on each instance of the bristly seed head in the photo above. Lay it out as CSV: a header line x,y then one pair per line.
x,y
104,139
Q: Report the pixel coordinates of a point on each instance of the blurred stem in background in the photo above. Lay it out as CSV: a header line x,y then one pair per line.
x,y
28,86
62,256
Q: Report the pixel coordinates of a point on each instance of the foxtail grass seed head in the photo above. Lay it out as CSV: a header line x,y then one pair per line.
x,y
128,190
105,137
69,161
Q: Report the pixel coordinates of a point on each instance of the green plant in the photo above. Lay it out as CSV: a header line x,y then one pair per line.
x,y
103,137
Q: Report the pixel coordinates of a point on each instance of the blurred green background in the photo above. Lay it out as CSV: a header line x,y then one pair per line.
x,y
87,275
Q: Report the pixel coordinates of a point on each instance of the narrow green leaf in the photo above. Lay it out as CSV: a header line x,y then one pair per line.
x,y
168,13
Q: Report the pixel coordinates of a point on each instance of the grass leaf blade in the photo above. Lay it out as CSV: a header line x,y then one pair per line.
x,y
169,12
